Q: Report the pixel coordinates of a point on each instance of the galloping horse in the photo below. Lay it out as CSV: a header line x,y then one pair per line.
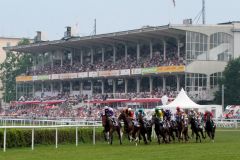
x,y
109,128
159,129
143,129
210,127
131,130
196,129
170,129
182,128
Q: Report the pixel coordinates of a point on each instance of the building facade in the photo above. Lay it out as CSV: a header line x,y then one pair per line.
x,y
149,60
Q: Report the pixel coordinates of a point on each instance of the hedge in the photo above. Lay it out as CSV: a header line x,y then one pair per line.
x,y
23,137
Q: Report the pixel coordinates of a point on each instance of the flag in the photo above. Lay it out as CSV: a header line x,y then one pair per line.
x,y
174,3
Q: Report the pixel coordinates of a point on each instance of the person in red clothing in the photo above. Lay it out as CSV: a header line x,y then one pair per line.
x,y
207,115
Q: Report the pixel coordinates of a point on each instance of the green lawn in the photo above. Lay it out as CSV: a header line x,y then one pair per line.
x,y
226,146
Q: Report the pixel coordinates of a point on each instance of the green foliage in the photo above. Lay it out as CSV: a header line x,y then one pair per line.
x,y
14,65
231,81
23,137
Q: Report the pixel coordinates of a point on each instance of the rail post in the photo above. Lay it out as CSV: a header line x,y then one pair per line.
x,y
76,136
56,137
4,140
32,138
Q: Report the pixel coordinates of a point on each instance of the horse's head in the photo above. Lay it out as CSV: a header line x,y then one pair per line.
x,y
104,120
122,116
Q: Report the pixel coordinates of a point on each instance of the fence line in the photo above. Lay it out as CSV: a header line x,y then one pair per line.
x,y
56,132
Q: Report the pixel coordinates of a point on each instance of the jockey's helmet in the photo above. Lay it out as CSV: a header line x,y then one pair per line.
x,y
178,108
106,107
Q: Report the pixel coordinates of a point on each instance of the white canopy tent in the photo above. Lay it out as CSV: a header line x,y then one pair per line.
x,y
183,101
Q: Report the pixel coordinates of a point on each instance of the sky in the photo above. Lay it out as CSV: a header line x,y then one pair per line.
x,y
22,18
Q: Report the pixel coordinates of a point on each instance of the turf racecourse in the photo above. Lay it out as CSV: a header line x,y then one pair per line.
x,y
226,146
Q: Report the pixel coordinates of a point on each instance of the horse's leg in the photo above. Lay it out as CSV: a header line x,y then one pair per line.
x,y
172,135
144,136
119,134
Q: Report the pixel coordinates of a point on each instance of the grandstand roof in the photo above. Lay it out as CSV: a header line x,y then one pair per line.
x,y
131,36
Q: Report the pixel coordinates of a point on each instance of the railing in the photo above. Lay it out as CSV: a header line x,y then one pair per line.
x,y
227,123
93,125
39,122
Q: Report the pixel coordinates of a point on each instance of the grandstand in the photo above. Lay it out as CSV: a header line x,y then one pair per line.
x,y
144,63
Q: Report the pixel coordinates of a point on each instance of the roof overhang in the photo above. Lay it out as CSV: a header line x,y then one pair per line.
x,y
124,37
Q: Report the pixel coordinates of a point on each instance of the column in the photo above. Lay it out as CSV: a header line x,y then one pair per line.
x,y
114,54
150,84
61,58
70,87
114,87
103,86
138,85
164,50
91,87
126,85
51,87
61,87
103,54
42,85
42,59
34,62
151,49
81,57
81,87
126,52
178,83
208,82
208,48
178,49
138,51
51,59
33,89
91,55
71,59
164,83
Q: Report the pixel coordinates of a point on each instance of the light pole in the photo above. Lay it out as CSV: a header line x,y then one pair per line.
x,y
222,97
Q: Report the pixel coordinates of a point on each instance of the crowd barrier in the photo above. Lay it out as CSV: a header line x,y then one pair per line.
x,y
56,127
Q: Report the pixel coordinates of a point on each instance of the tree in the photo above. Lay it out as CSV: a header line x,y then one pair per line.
x,y
14,65
231,82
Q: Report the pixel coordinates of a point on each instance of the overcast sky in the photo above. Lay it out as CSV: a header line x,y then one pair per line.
x,y
21,18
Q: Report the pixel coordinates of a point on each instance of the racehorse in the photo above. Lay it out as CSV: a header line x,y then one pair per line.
x,y
210,128
159,129
131,130
196,129
173,129
170,128
109,128
143,129
182,128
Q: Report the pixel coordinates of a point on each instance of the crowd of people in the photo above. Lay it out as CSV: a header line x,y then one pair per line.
x,y
121,63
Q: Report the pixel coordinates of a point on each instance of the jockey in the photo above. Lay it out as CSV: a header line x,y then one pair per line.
x,y
130,113
167,114
206,114
140,111
159,114
110,113
192,114
178,114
